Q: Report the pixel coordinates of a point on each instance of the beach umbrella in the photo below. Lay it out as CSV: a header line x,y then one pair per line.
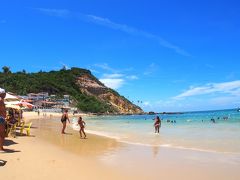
x,y
11,98
26,104
13,106
11,102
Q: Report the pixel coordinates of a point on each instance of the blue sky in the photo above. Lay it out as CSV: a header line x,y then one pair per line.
x,y
171,55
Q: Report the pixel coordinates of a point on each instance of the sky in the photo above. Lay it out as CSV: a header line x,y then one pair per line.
x,y
162,55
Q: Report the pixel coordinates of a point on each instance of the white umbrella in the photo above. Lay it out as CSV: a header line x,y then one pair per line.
x,y
11,98
13,106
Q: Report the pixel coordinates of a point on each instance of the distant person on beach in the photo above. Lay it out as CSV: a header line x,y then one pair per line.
x,y
82,124
213,120
157,124
225,118
64,119
2,118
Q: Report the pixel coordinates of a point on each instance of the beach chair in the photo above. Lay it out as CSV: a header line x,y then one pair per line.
x,y
26,127
11,129
19,121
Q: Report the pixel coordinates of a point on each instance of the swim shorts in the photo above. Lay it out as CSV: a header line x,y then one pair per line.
x,y
2,121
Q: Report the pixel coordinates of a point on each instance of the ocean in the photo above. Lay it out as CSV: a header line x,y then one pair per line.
x,y
191,130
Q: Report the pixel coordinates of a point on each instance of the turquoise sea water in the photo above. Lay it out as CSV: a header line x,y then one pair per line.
x,y
193,130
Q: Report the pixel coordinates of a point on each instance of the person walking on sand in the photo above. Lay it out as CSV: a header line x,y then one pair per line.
x,y
157,124
64,120
2,118
82,124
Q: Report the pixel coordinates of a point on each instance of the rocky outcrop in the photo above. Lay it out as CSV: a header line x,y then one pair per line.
x,y
91,86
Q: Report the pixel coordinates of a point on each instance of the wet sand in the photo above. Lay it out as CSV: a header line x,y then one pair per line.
x,y
51,155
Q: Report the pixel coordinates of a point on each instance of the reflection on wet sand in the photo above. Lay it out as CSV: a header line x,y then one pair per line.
x,y
94,145
155,150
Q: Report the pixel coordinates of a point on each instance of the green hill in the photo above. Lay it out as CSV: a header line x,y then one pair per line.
x,y
86,91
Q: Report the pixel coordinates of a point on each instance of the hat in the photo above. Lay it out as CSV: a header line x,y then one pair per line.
x,y
2,91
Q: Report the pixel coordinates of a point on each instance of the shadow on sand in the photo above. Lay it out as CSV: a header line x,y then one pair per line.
x,y
2,162
67,134
23,135
8,142
9,151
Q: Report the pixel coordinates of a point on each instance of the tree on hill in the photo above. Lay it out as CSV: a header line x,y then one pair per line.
x,y
6,70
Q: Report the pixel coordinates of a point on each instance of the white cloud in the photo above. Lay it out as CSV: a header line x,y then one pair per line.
x,y
151,69
230,88
134,31
93,71
116,80
54,12
117,26
132,77
105,66
112,76
146,103
216,96
224,100
113,83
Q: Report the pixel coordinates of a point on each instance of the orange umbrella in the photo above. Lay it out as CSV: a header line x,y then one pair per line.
x,y
26,104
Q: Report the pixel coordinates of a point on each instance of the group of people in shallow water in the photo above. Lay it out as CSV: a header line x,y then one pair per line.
x,y
81,123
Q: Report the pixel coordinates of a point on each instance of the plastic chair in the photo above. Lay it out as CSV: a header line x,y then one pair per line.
x,y
11,129
26,127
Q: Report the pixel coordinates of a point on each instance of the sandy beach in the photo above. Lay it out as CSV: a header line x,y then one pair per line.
x,y
51,155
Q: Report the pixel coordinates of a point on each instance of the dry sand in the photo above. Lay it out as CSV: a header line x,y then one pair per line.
x,y
47,154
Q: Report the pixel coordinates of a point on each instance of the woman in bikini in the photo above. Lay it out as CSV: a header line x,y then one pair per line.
x,y
157,124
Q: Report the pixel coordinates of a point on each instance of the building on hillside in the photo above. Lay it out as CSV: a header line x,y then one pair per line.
x,y
38,96
46,101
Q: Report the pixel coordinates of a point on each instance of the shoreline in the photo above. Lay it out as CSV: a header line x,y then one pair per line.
x,y
106,158
100,134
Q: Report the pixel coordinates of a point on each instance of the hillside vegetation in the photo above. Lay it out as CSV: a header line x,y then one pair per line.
x,y
86,91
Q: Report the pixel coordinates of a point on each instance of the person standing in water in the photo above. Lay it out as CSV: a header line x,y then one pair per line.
x,y
157,124
64,120
81,123
2,118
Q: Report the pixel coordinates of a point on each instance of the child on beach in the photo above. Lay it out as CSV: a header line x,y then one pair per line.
x,y
81,123
157,124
